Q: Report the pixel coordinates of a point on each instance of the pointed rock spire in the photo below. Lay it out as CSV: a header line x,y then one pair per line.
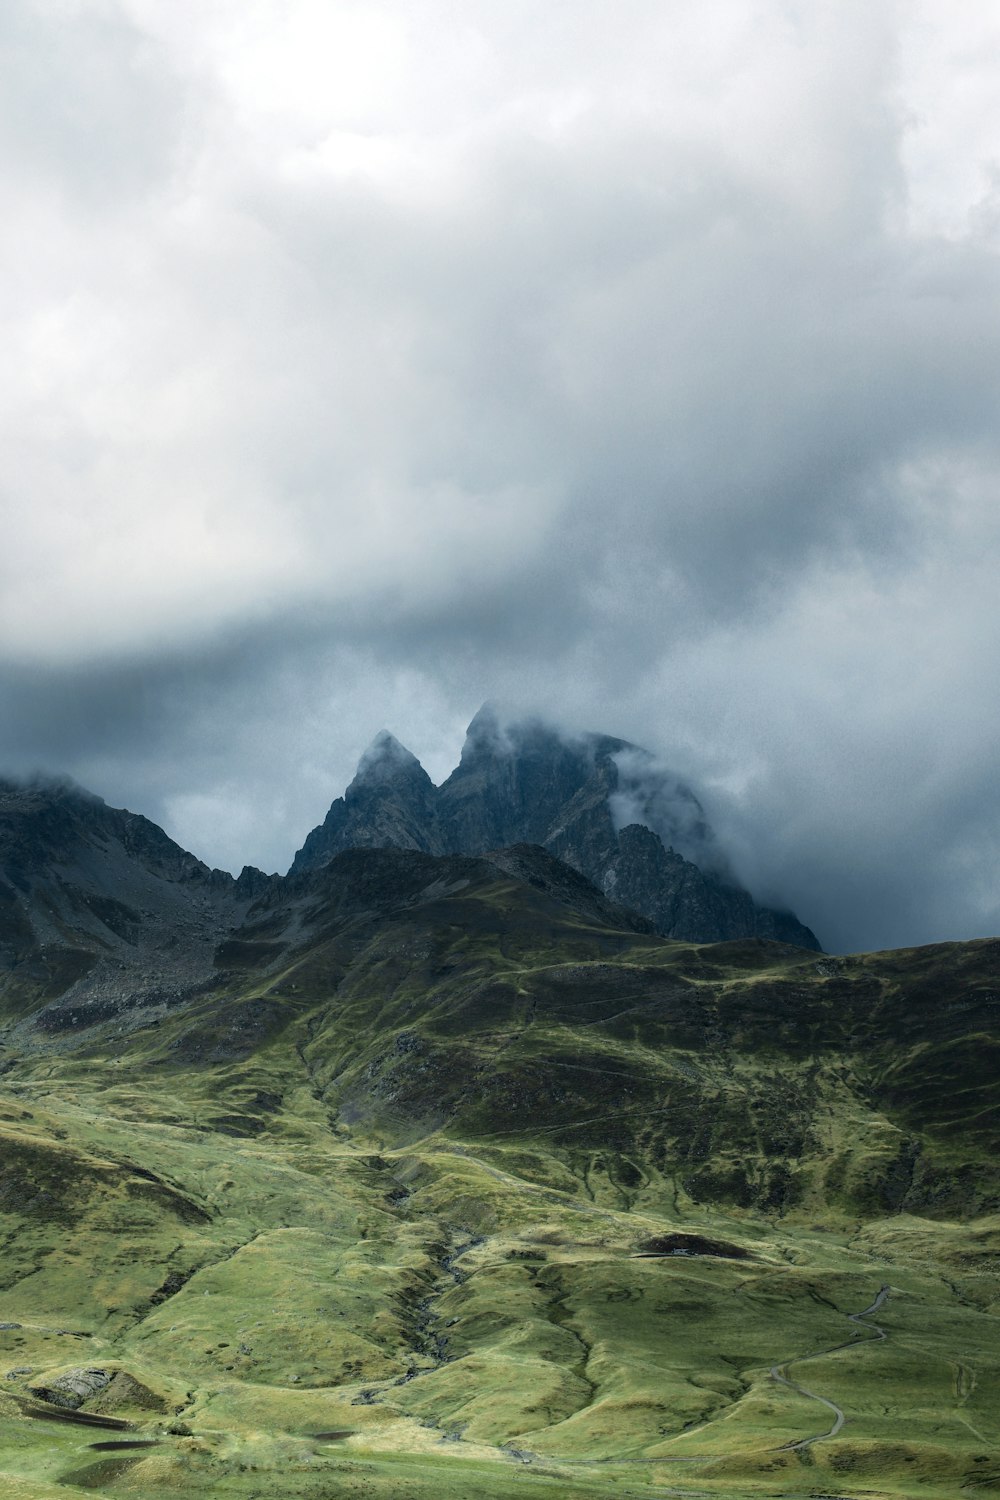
x,y
389,804
485,735
385,761
602,805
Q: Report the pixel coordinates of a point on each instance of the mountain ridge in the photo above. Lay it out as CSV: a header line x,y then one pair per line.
x,y
103,915
594,801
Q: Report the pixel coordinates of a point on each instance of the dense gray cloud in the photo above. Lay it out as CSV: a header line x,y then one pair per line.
x,y
636,366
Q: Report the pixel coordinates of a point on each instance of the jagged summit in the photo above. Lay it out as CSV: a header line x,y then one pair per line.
x,y
484,731
389,804
385,761
600,804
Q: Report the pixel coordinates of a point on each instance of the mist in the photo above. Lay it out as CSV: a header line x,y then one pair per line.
x,y
366,365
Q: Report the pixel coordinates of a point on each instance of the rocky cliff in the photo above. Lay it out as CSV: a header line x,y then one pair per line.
x,y
98,905
600,804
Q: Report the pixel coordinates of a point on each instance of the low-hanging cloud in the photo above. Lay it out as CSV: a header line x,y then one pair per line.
x,y
366,362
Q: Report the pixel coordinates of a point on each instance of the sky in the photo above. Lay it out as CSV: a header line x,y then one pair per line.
x,y
632,364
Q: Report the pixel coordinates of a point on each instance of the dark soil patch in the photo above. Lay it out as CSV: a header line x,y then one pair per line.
x,y
171,1286
78,1418
690,1244
96,1476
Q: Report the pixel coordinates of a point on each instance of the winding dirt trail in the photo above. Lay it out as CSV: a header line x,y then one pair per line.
x,y
780,1371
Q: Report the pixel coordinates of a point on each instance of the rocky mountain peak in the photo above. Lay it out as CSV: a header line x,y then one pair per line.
x,y
385,762
605,807
390,804
484,732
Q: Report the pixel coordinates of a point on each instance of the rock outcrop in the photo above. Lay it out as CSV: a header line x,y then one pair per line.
x,y
391,803
599,804
100,911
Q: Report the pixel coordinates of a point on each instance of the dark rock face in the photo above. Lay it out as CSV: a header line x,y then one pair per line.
x,y
597,803
691,1244
679,899
106,923
532,865
391,803
513,784
101,912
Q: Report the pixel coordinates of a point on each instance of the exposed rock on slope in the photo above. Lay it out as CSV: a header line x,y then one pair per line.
x,y
104,919
100,910
389,804
597,803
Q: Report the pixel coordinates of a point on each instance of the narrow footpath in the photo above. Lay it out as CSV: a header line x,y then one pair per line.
x,y
780,1372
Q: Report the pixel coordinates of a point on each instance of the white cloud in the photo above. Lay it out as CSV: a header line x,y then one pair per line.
x,y
638,362
950,56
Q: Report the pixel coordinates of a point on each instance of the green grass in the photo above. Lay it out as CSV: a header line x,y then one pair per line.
x,y
317,1298
394,1187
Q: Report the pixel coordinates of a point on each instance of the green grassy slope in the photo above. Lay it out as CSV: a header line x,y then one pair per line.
x,y
451,1188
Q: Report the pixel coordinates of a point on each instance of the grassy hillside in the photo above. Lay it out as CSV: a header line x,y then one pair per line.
x,y
449,1183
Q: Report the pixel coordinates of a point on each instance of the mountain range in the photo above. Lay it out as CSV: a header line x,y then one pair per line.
x,y
428,1171
600,804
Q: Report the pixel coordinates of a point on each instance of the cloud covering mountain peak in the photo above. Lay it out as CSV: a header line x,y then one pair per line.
x,y
362,364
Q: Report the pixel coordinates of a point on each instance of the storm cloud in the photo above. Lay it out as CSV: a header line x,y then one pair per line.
x,y
637,365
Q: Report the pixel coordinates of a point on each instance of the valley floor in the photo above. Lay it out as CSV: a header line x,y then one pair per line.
x,y
309,1311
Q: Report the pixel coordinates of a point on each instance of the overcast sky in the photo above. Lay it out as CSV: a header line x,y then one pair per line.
x,y
637,362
